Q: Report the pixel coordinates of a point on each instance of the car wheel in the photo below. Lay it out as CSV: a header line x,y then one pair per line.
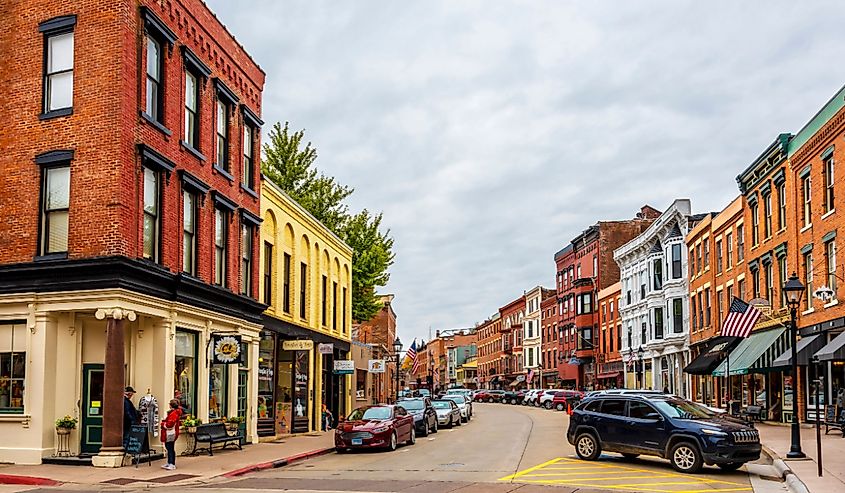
x,y
685,457
413,439
559,406
630,456
460,421
451,422
340,450
425,430
489,399
548,404
587,447
464,420
394,441
731,466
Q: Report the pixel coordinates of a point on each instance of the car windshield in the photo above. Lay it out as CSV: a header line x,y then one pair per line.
x,y
414,405
459,399
370,413
441,405
677,408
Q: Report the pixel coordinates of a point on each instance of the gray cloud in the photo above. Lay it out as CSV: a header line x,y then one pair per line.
x,y
492,132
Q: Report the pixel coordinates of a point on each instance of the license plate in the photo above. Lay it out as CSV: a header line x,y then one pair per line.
x,y
357,441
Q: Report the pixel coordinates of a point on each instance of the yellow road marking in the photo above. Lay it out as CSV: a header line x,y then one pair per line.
x,y
521,473
639,489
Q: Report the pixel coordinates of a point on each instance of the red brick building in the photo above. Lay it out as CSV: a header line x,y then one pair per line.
x,y
489,351
510,329
130,200
549,340
380,332
610,364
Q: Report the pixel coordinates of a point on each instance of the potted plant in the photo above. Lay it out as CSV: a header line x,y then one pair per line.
x,y
190,423
234,422
64,425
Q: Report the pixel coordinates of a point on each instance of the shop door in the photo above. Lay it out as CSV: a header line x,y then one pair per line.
x,y
91,430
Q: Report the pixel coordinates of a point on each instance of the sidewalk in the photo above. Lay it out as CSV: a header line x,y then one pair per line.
x,y
778,439
200,469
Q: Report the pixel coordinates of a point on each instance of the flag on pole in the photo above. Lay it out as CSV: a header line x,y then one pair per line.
x,y
741,319
412,354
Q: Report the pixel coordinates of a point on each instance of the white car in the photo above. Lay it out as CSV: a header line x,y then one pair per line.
x,y
463,405
545,399
467,393
529,397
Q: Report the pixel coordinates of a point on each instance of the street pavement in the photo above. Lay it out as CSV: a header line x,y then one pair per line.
x,y
503,449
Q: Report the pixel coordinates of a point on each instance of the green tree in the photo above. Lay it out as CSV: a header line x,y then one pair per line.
x,y
290,165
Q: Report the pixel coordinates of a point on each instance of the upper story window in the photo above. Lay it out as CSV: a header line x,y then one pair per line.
x,y
13,359
767,215
303,290
706,253
678,315
755,224
189,232
192,98
152,218
155,70
246,259
58,66
781,206
807,198
222,135
676,261
55,208
830,260
740,243
221,240
729,249
829,203
247,179
719,259
268,276
808,279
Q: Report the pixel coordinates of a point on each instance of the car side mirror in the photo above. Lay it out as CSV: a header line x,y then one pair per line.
x,y
654,416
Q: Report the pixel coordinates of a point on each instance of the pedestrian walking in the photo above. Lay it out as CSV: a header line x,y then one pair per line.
x,y
170,432
328,418
130,414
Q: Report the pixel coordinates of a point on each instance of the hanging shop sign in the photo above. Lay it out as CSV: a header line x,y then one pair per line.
x,y
520,378
376,366
326,348
344,367
226,349
299,345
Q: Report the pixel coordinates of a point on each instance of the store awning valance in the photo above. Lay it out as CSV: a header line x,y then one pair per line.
x,y
713,354
756,353
834,350
610,374
806,348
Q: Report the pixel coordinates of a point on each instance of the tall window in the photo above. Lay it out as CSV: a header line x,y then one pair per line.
x,y
286,284
755,224
829,204
657,273
740,243
781,206
807,195
192,126
222,135
782,272
153,107
706,253
741,289
718,256
58,71
249,162
678,315
220,242
708,307
767,219
770,283
658,323
729,246
268,275
152,193
303,289
246,260
55,210
808,280
676,261
720,307
755,283
334,306
12,368
344,311
595,266
189,236
185,366
324,301
701,310
830,262
698,260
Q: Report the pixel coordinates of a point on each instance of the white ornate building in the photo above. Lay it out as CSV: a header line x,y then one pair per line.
x,y
655,302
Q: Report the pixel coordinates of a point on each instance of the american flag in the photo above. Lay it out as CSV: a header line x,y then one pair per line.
x,y
741,319
412,355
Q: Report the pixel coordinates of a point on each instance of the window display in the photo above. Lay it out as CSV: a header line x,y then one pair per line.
x,y
12,368
218,386
185,376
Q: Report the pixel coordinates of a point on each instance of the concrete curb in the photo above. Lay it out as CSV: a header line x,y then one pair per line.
x,y
793,482
27,480
278,462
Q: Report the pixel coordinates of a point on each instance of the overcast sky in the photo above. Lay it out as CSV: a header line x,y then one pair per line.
x,y
491,133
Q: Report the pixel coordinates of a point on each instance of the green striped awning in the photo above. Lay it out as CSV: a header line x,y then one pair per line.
x,y
756,353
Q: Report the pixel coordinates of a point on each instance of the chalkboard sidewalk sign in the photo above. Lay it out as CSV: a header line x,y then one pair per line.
x,y
138,444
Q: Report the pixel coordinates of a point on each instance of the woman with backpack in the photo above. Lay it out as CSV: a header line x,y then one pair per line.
x,y
170,432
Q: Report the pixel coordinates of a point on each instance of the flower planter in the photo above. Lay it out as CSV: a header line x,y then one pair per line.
x,y
63,431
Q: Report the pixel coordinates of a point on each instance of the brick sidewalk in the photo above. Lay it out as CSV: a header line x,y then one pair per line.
x,y
778,438
200,469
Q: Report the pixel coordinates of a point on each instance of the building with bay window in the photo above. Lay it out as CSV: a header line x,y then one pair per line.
x,y
131,206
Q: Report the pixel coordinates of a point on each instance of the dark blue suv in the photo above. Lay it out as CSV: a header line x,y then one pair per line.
x,y
687,434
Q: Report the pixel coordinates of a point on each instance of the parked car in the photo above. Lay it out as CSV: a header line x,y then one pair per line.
x,y
380,426
563,399
667,426
530,397
464,392
463,405
490,396
448,413
544,399
425,418
509,397
424,393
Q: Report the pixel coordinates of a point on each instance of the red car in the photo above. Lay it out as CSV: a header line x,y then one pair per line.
x,y
380,426
489,396
564,398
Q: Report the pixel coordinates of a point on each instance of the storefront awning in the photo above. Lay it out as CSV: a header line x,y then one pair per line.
x,y
713,354
806,348
610,374
756,353
834,350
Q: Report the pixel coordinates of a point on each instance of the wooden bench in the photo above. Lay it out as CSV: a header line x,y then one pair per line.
x,y
213,433
752,413
831,422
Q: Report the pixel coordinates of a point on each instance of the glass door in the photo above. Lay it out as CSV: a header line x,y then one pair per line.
x,y
91,430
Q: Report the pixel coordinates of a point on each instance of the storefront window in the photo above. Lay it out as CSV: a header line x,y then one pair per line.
x,y
243,381
300,404
284,391
12,368
266,384
218,386
185,377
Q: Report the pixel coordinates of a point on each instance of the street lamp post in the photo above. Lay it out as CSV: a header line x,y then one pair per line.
x,y
642,368
794,290
397,348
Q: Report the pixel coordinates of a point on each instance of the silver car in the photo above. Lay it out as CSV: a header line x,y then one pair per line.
x,y
463,405
448,413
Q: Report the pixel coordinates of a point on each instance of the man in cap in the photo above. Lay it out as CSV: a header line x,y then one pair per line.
x,y
130,414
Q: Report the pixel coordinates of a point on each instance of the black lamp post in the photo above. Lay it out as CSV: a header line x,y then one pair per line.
x,y
397,348
794,290
642,368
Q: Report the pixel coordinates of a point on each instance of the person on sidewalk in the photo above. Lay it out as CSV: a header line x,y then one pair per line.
x,y
170,432
130,415
327,418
